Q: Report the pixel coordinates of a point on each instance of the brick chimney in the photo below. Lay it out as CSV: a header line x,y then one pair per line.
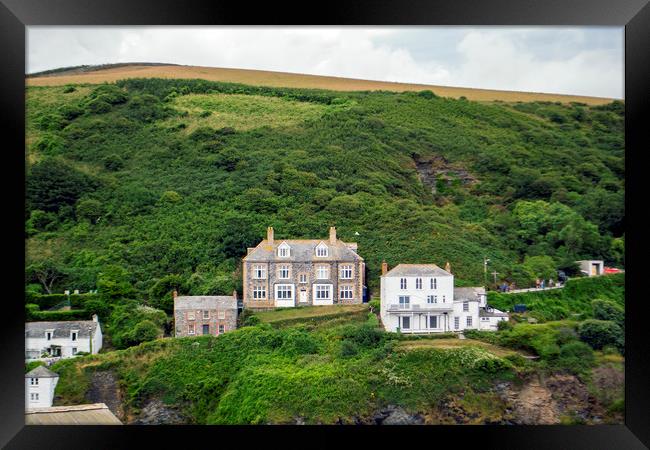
x,y
448,267
332,235
234,294
384,268
269,235
174,293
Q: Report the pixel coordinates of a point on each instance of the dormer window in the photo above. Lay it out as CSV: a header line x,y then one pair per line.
x,y
48,335
73,335
284,250
322,250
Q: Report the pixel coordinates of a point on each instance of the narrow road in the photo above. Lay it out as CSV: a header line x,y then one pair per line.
x,y
516,291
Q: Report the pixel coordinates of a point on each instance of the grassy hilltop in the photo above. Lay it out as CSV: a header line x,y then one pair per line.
x,y
147,184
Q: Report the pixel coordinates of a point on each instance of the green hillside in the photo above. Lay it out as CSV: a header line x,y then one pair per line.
x,y
149,184
315,366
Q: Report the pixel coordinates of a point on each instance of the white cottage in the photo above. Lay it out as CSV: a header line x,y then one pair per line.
x,y
62,339
39,387
421,298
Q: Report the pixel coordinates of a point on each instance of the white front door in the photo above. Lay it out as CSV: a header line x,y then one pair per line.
x,y
303,296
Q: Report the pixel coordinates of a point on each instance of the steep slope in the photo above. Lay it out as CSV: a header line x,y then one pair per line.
x,y
152,178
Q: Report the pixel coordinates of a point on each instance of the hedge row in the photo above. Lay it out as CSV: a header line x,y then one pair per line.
x,y
33,315
47,301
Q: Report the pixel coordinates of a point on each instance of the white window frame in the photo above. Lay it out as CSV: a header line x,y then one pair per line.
x,y
465,306
190,329
404,300
403,284
318,288
222,329
191,315
74,350
284,268
206,312
49,335
221,315
33,381
33,396
468,321
74,335
284,251
259,272
434,283
302,278
283,286
456,323
322,251
444,300
418,283
348,290
322,270
429,322
259,292
345,272
432,299
401,322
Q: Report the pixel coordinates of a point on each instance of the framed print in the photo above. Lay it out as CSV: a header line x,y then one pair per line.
x,y
382,223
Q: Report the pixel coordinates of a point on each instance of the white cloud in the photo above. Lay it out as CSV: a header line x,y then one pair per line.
x,y
561,61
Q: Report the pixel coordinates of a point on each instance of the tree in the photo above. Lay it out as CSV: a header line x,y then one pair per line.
x,y
90,209
542,266
46,272
608,310
599,333
114,282
52,184
160,294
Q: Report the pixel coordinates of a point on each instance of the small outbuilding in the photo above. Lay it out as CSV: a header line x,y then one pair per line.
x,y
40,383
204,314
592,267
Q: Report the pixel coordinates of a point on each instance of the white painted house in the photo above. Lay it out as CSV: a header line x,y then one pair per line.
x,y
420,298
39,387
62,339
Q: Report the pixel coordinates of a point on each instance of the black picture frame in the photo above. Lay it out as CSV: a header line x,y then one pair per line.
x,y
634,15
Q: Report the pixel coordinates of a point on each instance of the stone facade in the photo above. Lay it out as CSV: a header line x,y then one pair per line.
x,y
335,276
198,315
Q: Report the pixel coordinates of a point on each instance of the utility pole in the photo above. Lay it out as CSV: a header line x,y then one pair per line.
x,y
485,263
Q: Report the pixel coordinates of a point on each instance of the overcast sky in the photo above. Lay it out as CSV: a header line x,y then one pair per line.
x,y
565,60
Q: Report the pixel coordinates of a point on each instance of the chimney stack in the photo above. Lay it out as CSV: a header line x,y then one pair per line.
x,y
269,235
332,235
448,267
234,294
95,318
384,268
174,293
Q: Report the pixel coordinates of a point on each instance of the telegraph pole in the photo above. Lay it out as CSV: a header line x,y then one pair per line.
x,y
495,273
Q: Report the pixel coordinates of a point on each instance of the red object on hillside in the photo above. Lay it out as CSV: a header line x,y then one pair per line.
x,y
612,270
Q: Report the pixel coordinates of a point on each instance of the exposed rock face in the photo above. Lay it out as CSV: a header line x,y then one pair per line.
x,y
156,412
104,389
394,415
432,168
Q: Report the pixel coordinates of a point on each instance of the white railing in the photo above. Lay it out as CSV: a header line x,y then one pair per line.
x,y
421,308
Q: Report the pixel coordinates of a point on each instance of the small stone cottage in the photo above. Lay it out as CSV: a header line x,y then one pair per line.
x,y
204,314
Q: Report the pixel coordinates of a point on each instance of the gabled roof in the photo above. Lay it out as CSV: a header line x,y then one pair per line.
x,y
61,329
41,372
417,270
92,414
205,302
482,312
468,293
303,250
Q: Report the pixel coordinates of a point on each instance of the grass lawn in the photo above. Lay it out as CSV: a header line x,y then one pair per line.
x,y
454,344
306,312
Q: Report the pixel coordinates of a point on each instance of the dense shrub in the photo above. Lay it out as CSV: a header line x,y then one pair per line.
x,y
599,333
608,310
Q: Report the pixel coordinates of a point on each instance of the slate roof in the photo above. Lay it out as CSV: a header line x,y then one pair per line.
x,y
416,270
303,250
468,293
205,302
92,414
61,329
482,312
41,372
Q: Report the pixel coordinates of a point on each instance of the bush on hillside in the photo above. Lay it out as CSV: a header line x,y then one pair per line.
x,y
608,310
576,357
599,333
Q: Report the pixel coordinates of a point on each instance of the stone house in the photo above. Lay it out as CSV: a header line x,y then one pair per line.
x,y
204,314
421,298
300,272
62,339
